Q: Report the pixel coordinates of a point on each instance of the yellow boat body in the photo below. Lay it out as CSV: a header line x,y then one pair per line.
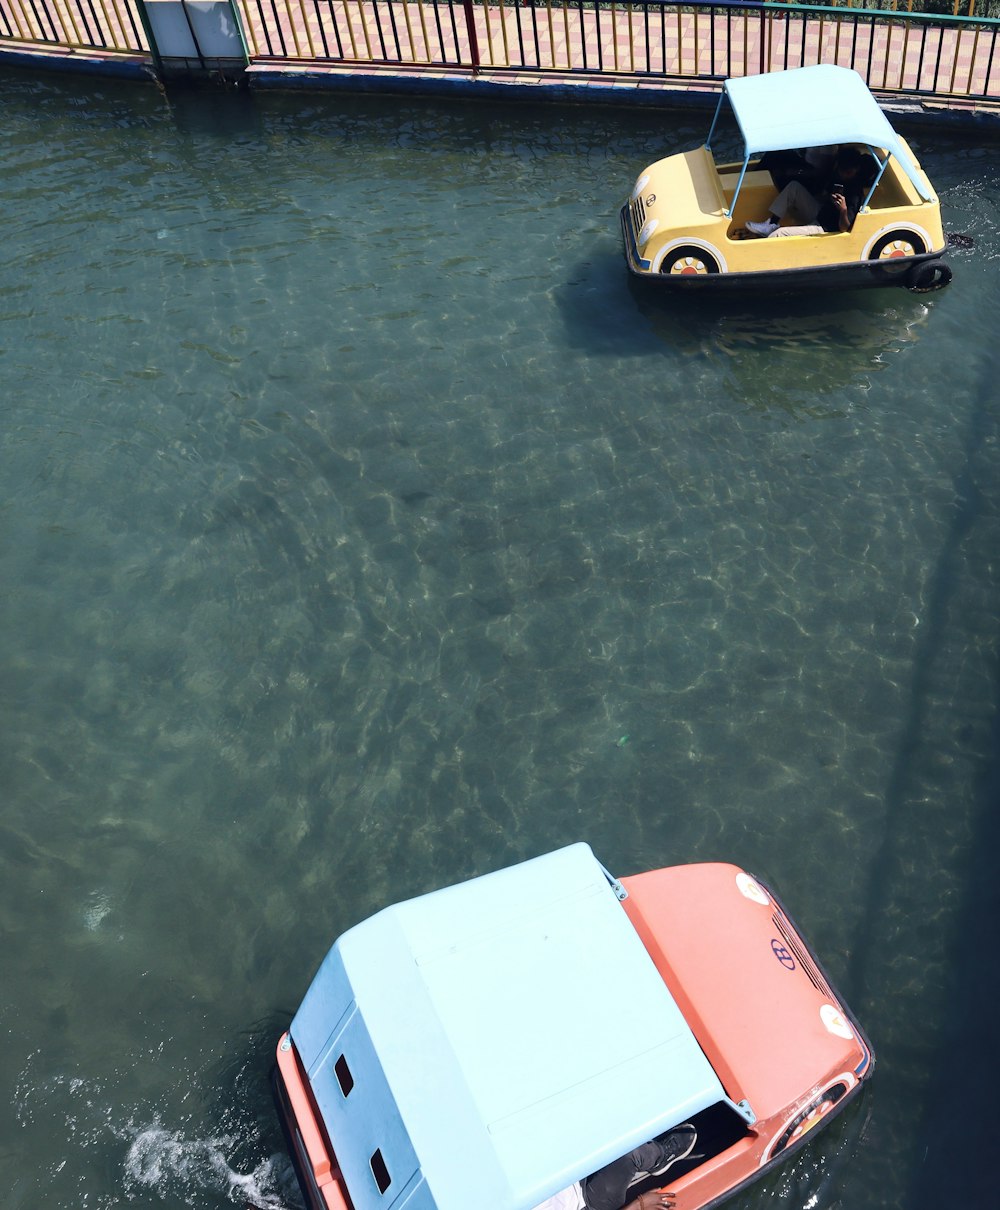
x,y
680,225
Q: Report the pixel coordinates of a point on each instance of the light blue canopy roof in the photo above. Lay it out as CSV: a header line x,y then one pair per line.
x,y
814,107
502,1038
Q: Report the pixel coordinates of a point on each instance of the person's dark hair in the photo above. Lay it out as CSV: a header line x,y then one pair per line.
x,y
850,157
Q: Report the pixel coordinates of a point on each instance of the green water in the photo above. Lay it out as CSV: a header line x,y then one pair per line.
x,y
364,528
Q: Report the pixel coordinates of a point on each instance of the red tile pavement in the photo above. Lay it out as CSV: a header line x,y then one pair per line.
x,y
546,45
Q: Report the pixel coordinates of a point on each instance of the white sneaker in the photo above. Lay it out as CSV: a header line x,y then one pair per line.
x,y
763,228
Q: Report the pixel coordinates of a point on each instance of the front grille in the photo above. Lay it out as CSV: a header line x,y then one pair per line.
x,y
797,950
638,215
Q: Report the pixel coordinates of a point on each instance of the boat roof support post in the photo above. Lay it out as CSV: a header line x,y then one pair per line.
x,y
728,212
882,166
711,129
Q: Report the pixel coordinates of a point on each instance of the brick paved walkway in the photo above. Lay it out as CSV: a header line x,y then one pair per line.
x,y
548,45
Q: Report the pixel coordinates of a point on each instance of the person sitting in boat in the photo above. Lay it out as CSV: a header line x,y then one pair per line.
x,y
806,164
830,205
607,1189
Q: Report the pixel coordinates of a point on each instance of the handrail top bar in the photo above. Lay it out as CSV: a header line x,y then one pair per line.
x,y
843,11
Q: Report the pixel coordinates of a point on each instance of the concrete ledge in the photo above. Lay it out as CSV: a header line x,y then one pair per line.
x,y
577,89
42,57
573,89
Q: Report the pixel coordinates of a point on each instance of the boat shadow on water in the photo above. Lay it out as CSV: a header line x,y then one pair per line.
x,y
808,354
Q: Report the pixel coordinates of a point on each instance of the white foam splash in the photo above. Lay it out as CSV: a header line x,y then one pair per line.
x,y
177,1167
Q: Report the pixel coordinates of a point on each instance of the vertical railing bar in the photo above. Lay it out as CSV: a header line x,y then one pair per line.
x,y
52,24
696,27
364,30
423,30
489,31
437,27
305,26
503,29
680,42
959,31
27,33
989,64
109,24
131,20
663,38
376,13
646,47
552,33
122,34
277,26
40,24
35,26
520,33
920,59
409,33
69,21
454,33
904,59
937,59
322,29
391,9
349,18
972,60
22,35
97,25
292,27
64,16
253,33
746,42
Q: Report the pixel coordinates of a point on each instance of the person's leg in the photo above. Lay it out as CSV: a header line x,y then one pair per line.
x,y
607,1189
795,199
810,229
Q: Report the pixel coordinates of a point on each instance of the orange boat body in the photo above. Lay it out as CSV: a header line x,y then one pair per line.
x,y
785,1048
311,1149
761,1008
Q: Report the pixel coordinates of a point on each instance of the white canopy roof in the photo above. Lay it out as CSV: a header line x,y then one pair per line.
x,y
814,107
496,1040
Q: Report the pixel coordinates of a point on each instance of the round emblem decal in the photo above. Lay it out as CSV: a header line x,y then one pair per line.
x,y
782,953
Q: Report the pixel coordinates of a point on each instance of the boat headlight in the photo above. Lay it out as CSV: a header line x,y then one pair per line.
x,y
640,184
648,227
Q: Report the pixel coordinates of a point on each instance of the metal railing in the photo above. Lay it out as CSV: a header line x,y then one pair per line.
x,y
104,25
895,51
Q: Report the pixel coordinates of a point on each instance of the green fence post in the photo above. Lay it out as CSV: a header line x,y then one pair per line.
x,y
147,29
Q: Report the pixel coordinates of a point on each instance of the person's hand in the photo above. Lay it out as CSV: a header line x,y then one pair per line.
x,y
839,201
654,1200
